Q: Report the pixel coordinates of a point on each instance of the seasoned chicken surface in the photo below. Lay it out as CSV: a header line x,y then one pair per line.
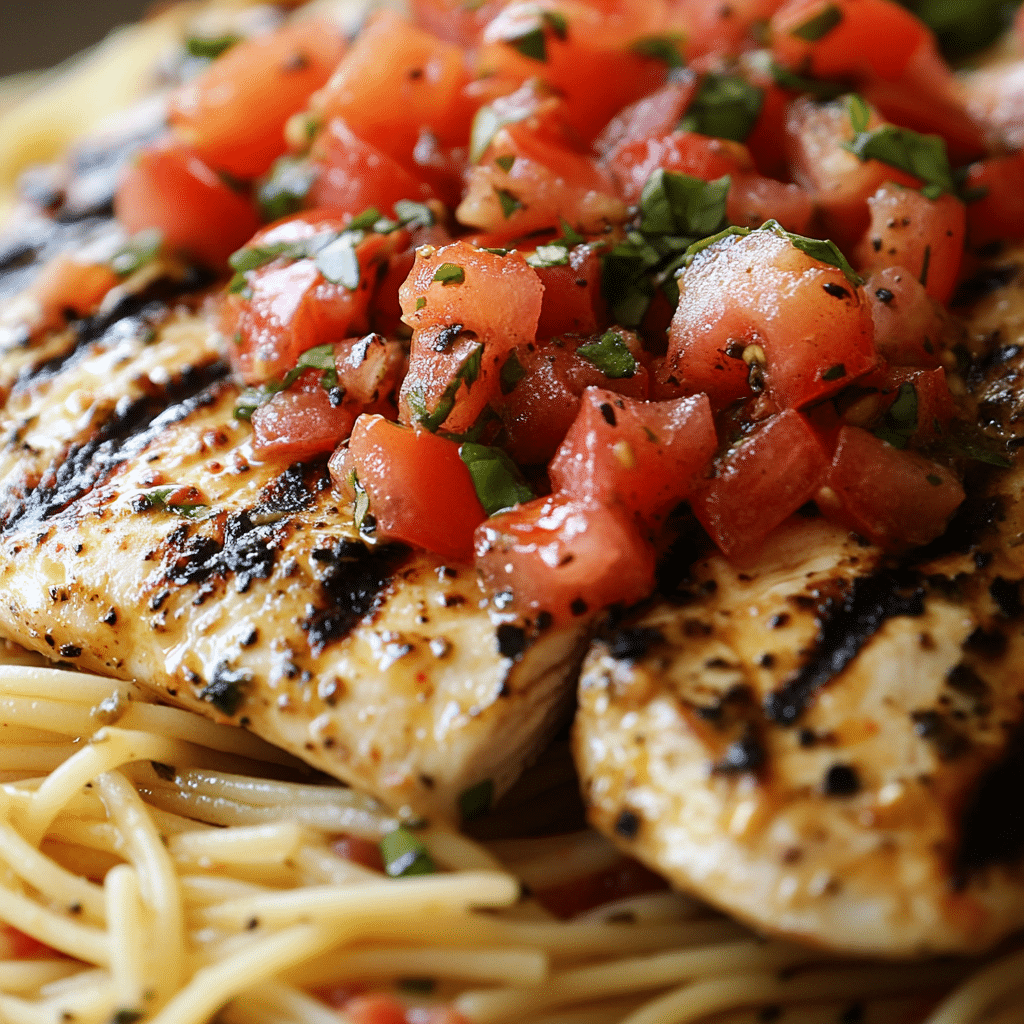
x,y
139,537
830,744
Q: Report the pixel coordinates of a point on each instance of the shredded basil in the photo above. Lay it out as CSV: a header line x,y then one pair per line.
x,y
570,237
787,79
449,273
209,47
611,355
724,107
509,202
466,374
361,502
320,357
963,26
512,372
900,421
420,302
675,210
968,441
531,42
486,124
285,190
139,250
496,478
819,25
506,162
404,855
411,214
476,800
665,48
156,497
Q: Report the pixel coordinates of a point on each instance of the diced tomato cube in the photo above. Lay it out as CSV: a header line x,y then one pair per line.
x,y
572,302
170,188
65,285
234,114
895,498
463,303
763,482
752,200
652,117
301,422
564,558
420,491
997,212
924,236
353,175
731,316
910,327
641,455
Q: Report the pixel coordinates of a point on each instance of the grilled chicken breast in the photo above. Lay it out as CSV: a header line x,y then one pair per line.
x,y
830,744
139,537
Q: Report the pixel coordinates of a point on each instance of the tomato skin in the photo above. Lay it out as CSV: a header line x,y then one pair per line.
x,y
497,304
874,38
752,200
625,878
358,851
897,499
300,422
641,455
546,183
728,298
761,484
19,946
234,114
682,152
924,236
572,301
541,408
420,490
653,117
355,175
563,557
170,188
423,78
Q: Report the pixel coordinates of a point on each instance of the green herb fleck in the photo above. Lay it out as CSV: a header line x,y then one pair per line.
x,y
724,107
666,48
421,302
365,220
611,355
512,372
922,156
496,478
449,273
819,26
411,214
476,800
935,481
466,374
126,1017
405,855
859,112
156,497
285,190
360,503
505,162
139,250
509,202
209,47
900,421
836,372
225,693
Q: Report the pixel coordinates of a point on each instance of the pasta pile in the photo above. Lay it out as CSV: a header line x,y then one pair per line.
x,y
180,875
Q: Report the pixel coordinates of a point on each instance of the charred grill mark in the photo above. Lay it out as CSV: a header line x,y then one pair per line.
x,y
844,629
984,283
992,822
352,585
292,491
126,431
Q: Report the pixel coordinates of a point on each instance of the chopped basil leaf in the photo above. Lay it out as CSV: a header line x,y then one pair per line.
x,y
365,220
321,357
549,256
900,421
664,48
557,23
250,400
209,47
496,252
570,237
338,262
421,302
724,107
934,480
531,44
967,441
253,257
476,800
361,502
449,273
287,187
836,372
819,26
156,497
403,854
798,83
675,210
611,355
505,162
139,250
486,124
411,214
512,373
963,26
466,374
923,156
509,202
239,285
496,477
860,113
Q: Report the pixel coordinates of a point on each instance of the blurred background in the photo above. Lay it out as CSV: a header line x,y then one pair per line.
x,y
35,34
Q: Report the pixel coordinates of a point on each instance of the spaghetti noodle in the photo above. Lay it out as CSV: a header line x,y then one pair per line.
x,y
178,869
